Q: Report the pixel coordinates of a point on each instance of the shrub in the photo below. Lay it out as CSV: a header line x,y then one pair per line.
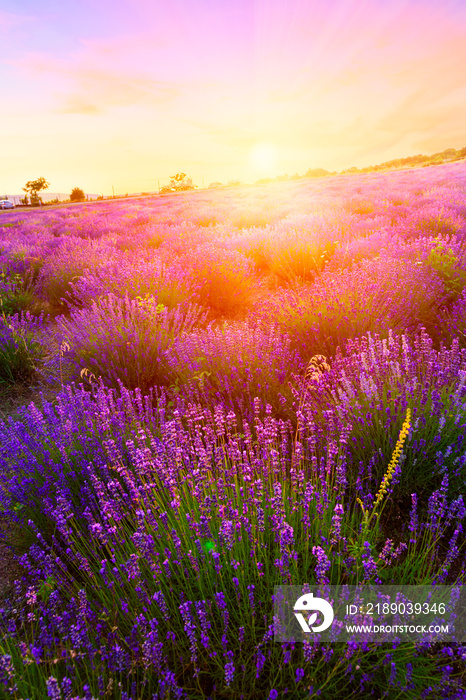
x,y
207,216
29,267
433,225
77,195
256,250
299,260
372,385
382,294
128,341
15,296
132,277
452,321
448,267
353,252
223,280
72,259
21,351
241,366
249,218
359,206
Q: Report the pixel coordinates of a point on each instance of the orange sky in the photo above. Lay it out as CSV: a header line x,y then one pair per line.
x,y
125,94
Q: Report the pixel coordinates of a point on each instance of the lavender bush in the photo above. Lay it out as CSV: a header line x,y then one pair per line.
x,y
379,295
372,384
132,277
21,350
221,365
128,341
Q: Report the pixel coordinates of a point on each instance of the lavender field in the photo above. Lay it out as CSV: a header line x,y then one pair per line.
x,y
219,381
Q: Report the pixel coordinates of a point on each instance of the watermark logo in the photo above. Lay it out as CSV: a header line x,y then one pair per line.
x,y
370,613
308,604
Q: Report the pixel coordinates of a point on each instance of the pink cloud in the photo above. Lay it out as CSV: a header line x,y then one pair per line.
x,y
85,90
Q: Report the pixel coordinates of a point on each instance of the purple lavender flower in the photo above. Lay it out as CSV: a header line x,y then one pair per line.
x,y
251,588
323,564
132,567
286,536
229,673
386,552
66,687
260,661
413,520
227,533
201,610
327,653
337,518
369,564
7,673
299,675
190,629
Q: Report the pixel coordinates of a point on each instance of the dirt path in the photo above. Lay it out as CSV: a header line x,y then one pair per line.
x,y
9,569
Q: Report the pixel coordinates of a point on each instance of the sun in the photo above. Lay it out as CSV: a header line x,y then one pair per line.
x,y
263,158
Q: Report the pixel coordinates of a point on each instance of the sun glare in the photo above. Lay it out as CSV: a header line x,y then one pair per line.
x,y
263,158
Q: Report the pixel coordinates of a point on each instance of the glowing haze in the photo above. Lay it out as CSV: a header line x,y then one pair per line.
x,y
126,93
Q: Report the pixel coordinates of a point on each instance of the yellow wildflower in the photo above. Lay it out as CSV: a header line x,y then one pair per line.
x,y
394,460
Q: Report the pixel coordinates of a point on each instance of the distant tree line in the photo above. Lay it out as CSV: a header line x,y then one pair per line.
x,y
448,155
182,183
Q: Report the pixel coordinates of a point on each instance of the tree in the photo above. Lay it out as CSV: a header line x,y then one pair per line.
x,y
178,183
33,187
317,172
77,195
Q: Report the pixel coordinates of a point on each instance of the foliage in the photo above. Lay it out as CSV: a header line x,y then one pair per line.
x,y
77,195
33,187
129,341
380,294
317,172
249,218
21,352
178,183
221,280
70,259
445,264
132,277
299,261
436,225
221,365
372,385
15,294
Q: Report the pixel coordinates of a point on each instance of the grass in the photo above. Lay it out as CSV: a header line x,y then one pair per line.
x,y
21,352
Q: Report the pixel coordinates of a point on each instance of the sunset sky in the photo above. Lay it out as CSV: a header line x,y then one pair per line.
x,y
120,93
